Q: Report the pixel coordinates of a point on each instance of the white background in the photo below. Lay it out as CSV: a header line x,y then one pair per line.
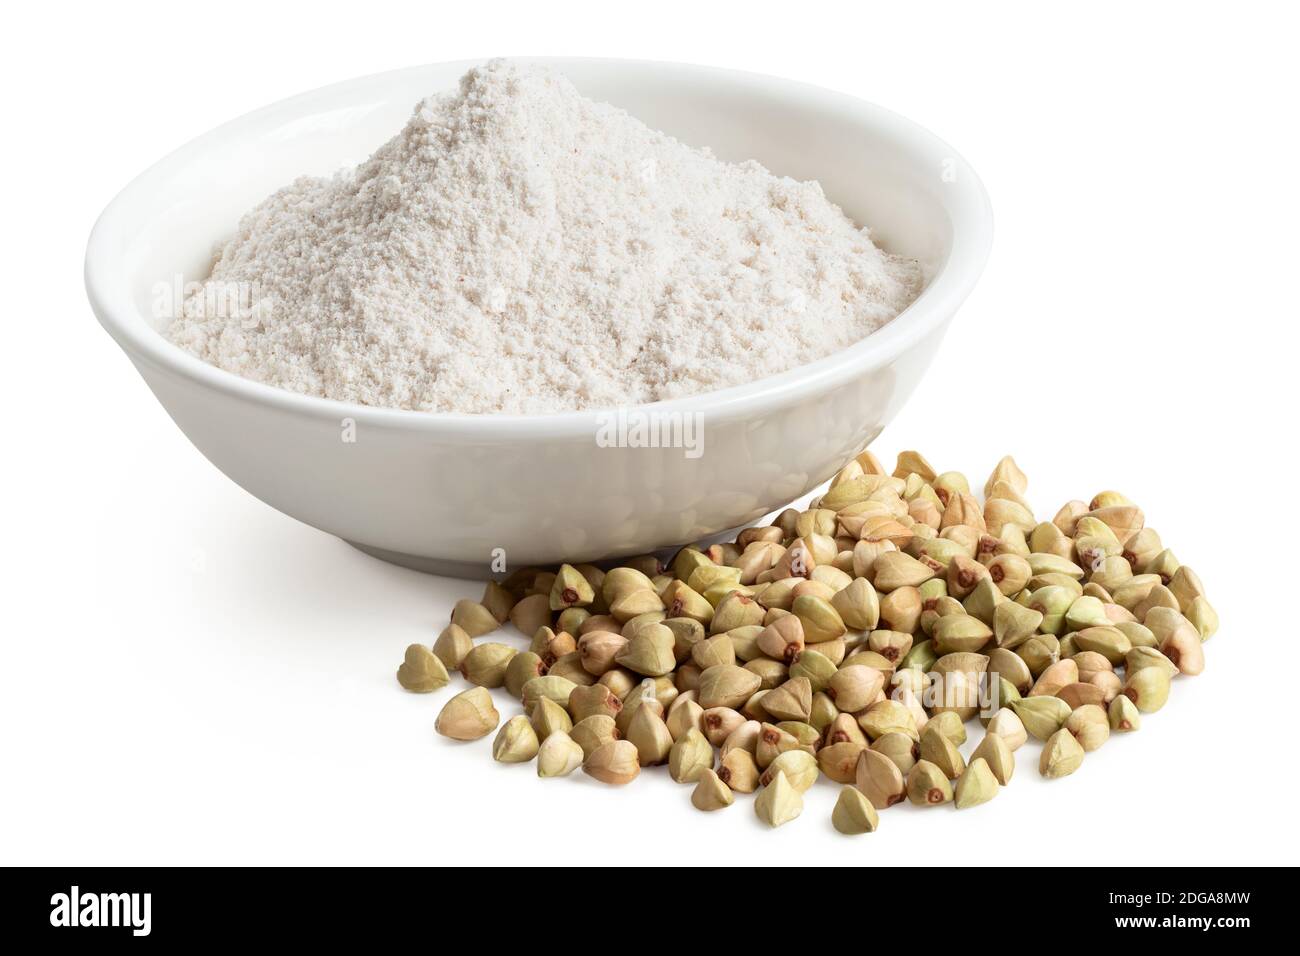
x,y
189,677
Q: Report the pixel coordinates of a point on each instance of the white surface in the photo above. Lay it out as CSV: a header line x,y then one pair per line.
x,y
189,677
447,487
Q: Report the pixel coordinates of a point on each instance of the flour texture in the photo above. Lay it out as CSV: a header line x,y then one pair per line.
x,y
518,248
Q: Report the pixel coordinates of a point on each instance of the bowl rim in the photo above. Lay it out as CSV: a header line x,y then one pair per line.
x,y
972,233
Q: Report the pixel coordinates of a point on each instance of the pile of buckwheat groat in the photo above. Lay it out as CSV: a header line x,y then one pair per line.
x,y
854,640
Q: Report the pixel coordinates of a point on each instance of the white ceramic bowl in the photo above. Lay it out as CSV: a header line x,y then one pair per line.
x,y
443,492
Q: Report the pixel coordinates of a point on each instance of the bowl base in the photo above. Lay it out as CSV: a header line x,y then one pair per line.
x,y
473,570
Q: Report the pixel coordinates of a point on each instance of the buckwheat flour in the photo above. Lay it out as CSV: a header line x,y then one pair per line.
x,y
519,248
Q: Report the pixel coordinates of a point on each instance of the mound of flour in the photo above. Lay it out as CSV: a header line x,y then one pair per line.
x,y
519,248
